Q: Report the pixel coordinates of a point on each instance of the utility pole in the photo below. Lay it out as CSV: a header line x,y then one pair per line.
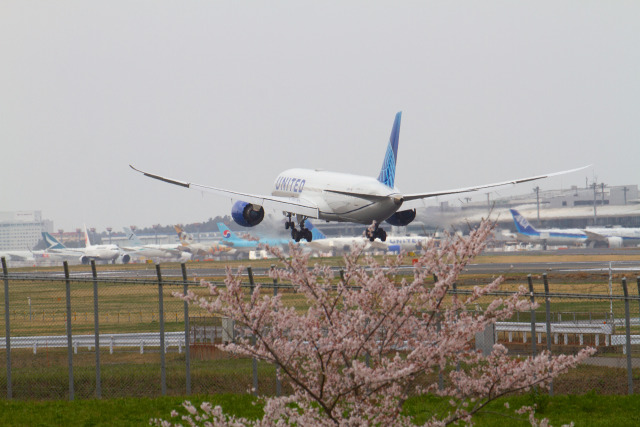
x,y
537,190
624,190
595,190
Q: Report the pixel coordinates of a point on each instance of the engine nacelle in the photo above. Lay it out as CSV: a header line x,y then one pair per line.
x,y
126,258
84,260
247,214
402,218
615,242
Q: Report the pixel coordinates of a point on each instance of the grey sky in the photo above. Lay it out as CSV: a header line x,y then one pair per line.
x,y
231,93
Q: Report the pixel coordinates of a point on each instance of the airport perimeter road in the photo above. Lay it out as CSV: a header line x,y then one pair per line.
x,y
633,267
569,260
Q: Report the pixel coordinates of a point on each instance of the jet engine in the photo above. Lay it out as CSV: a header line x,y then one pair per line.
x,y
84,260
126,258
247,214
614,242
402,218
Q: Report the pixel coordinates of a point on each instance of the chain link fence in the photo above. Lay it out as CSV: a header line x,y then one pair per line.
x,y
70,335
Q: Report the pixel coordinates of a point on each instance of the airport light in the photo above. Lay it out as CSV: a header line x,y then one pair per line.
x,y
109,231
61,232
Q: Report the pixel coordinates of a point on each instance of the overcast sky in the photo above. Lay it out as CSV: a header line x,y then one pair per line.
x,y
231,93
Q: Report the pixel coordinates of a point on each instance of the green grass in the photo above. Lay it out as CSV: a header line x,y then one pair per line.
x,y
585,410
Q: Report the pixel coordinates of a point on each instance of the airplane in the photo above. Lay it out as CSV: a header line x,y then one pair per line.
x,y
165,252
229,238
320,242
615,237
527,233
201,249
406,243
20,256
108,253
333,196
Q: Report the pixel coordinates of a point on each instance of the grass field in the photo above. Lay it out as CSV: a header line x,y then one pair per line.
x,y
585,410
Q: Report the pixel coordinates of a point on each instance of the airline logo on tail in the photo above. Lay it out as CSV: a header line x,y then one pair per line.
x,y
388,171
522,224
226,233
52,242
183,236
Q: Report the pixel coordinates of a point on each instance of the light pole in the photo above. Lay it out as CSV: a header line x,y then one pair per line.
x,y
537,190
155,227
109,231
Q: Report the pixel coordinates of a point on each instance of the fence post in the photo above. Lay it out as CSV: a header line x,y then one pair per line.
x,y
627,323
96,325
7,326
163,367
275,293
638,282
69,334
254,361
547,304
187,335
533,317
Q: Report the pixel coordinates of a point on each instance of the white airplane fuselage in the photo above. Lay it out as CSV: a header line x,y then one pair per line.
x,y
370,200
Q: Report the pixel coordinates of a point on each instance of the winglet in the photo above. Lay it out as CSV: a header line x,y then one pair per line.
x,y
388,171
162,178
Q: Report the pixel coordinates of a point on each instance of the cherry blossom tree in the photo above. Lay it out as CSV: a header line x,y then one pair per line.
x,y
371,337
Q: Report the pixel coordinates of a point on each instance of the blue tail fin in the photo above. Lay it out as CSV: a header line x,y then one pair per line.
x,y
522,225
388,171
52,242
315,233
226,233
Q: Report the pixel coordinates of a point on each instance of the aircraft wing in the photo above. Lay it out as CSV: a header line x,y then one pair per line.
x,y
595,237
415,200
288,204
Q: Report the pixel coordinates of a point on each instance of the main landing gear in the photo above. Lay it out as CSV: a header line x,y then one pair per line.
x,y
297,235
375,232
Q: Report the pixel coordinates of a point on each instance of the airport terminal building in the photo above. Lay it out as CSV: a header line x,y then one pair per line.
x,y
22,230
600,205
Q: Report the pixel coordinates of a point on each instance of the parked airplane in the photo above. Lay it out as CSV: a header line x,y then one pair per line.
x,y
527,233
333,196
229,238
20,256
614,237
320,242
165,252
406,243
108,253
201,249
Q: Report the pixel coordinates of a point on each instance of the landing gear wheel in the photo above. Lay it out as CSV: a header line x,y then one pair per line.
x,y
295,235
381,234
306,234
